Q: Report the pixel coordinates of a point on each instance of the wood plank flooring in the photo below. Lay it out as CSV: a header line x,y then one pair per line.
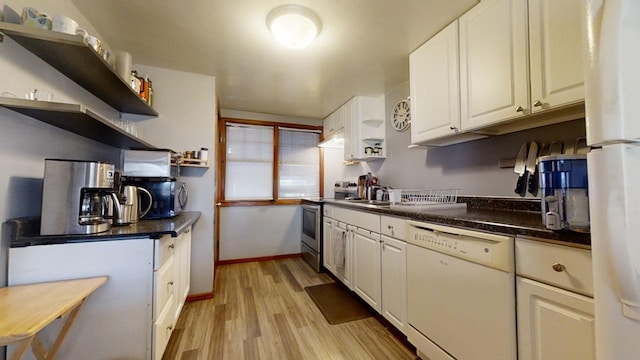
x,y
261,311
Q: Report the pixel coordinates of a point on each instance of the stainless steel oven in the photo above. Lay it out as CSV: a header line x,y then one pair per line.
x,y
312,234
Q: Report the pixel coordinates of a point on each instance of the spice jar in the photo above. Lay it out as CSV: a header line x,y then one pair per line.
x,y
203,154
377,149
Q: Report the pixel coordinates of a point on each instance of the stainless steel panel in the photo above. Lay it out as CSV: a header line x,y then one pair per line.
x,y
143,163
311,257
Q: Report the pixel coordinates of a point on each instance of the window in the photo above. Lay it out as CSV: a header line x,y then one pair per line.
x,y
268,161
298,164
249,172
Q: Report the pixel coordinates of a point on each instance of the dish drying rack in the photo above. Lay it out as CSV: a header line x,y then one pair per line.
x,y
425,199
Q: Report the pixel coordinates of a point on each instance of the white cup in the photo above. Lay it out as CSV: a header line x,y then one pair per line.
x,y
123,65
94,43
64,24
395,195
39,95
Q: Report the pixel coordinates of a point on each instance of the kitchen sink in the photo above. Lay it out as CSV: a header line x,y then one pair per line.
x,y
369,203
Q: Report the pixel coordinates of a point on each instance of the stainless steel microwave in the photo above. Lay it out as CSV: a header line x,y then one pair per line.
x,y
169,197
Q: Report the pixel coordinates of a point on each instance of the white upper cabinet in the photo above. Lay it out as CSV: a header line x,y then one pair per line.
x,y
493,63
332,124
555,39
364,128
434,85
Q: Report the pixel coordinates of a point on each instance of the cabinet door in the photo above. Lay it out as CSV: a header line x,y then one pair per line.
x,y
434,86
555,40
342,243
394,282
328,125
553,323
327,256
366,267
494,83
351,134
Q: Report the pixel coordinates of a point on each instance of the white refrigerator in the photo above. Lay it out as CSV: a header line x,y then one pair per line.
x,y
612,80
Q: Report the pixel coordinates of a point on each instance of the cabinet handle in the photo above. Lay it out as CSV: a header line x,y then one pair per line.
x,y
537,103
172,246
170,283
170,327
558,267
452,127
218,204
519,109
389,227
187,231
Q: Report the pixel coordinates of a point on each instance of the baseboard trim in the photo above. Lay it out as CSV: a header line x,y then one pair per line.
x,y
198,297
262,258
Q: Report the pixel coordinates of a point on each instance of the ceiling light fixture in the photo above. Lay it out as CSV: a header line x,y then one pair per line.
x,y
294,26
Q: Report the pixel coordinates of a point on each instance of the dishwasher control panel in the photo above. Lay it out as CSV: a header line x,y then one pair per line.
x,y
468,248
483,248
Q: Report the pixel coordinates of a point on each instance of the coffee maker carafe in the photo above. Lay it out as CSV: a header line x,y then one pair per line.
x,y
78,197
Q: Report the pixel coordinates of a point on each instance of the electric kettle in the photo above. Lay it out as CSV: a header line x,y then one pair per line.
x,y
130,212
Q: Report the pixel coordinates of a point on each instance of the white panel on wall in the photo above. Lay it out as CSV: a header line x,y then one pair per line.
x,y
258,231
186,103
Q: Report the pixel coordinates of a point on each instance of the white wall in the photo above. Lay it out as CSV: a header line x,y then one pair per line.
x,y
186,103
258,231
248,232
471,167
25,142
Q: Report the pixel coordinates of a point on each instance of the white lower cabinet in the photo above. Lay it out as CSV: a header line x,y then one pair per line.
x,y
171,286
366,266
133,315
342,252
394,281
555,321
328,225
368,254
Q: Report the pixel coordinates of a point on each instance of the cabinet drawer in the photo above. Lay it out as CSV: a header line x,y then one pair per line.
x,y
360,219
563,266
163,285
162,329
393,227
164,249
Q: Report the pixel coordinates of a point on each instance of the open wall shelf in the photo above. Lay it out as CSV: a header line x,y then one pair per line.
x,y
77,119
80,63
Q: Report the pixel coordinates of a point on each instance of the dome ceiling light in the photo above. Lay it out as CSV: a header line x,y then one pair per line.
x,y
294,26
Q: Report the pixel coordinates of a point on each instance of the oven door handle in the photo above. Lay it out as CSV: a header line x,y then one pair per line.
x,y
311,207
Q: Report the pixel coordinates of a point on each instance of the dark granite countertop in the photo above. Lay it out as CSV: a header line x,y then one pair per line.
x,y
519,217
26,231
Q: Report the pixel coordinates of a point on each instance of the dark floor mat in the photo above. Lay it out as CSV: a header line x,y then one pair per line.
x,y
337,304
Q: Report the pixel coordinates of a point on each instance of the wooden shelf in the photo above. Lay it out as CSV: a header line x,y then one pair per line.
x,y
196,163
80,63
77,119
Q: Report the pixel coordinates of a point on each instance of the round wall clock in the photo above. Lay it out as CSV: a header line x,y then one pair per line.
x,y
401,115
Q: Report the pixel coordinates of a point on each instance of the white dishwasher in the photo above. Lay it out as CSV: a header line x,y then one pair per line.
x,y
460,293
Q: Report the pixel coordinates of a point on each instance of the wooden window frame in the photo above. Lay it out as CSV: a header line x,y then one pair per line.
x,y
222,161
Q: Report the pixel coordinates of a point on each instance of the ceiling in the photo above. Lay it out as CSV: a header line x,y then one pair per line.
x,y
362,50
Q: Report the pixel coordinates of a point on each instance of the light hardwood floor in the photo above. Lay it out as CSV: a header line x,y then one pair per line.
x,y
260,310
